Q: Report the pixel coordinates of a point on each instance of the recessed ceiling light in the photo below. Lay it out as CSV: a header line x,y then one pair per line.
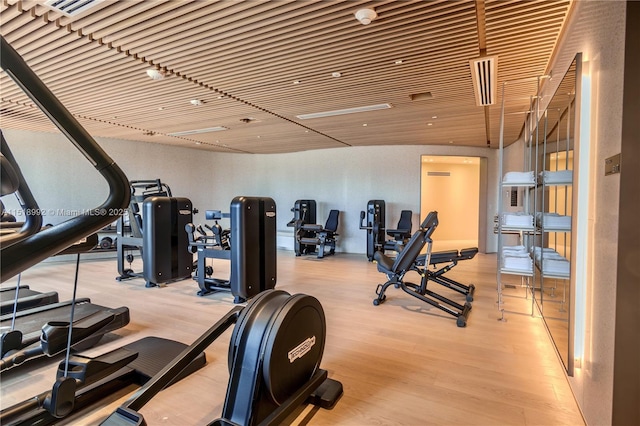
x,y
364,124
434,116
450,141
399,61
429,124
198,143
196,102
297,81
198,131
343,111
160,108
336,74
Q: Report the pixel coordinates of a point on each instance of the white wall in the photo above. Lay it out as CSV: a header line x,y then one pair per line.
x,y
344,178
62,180
597,30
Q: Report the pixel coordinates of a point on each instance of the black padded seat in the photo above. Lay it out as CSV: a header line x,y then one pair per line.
x,y
320,236
447,256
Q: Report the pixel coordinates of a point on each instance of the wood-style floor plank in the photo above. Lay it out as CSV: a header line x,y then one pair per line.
x,y
401,363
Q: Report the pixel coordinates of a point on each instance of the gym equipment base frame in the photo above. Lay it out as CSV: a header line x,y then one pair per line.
x,y
450,257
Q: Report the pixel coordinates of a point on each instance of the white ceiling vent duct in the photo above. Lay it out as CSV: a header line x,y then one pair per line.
x,y
484,72
71,7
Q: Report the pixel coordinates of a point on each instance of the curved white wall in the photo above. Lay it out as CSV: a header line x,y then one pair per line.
x,y
343,178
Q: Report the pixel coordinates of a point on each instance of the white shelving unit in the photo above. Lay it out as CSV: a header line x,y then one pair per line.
x,y
542,224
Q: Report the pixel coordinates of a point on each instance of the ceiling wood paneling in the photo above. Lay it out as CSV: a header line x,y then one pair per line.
x,y
241,59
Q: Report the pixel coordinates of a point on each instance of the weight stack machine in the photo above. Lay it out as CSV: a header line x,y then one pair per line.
x,y
165,245
375,222
304,212
253,246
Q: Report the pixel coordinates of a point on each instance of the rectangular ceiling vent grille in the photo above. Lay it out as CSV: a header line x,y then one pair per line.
x,y
438,173
343,111
71,7
484,72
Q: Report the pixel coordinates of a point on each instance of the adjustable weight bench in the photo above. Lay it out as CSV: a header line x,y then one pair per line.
x,y
404,262
317,235
451,257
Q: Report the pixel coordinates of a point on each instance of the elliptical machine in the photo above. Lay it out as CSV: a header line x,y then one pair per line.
x,y
274,363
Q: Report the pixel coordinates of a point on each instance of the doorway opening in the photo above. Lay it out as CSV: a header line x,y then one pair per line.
x,y
451,185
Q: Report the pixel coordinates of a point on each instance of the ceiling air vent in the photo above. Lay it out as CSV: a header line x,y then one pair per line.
x,y
71,7
484,72
438,173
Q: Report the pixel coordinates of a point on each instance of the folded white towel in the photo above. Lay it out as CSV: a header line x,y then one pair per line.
x,y
524,264
557,177
555,266
519,178
553,220
520,249
518,220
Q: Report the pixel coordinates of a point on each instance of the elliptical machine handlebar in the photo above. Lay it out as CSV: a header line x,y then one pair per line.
x,y
32,250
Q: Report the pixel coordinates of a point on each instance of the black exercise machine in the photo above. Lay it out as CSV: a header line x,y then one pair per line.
x,y
157,233
451,258
274,362
404,262
89,380
215,246
22,297
376,231
5,216
375,226
251,249
220,237
29,251
304,212
44,330
400,236
33,323
13,182
317,237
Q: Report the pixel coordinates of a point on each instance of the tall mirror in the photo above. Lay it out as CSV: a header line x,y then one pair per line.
x,y
554,210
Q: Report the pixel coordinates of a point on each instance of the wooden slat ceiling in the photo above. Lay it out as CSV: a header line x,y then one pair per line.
x,y
241,59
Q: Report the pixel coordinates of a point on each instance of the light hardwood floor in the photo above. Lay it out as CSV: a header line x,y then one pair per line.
x,y
401,363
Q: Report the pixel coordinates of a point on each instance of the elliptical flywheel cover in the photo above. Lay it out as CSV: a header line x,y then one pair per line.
x,y
293,347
